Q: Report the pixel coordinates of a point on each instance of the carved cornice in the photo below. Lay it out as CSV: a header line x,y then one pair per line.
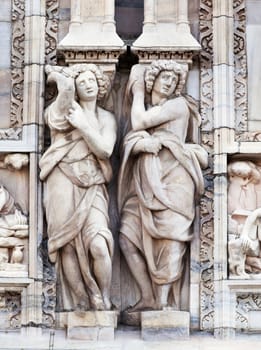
x,y
91,56
147,56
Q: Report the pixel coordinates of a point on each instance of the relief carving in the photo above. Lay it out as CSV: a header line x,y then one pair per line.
x,y
76,169
10,310
13,232
244,209
159,181
13,222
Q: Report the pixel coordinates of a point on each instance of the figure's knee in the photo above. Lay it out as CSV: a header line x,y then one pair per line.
x,y
99,248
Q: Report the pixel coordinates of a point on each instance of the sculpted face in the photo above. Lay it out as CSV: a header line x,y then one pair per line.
x,y
86,86
165,84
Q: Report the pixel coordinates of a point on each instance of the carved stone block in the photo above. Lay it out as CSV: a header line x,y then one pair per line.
x,y
165,325
92,325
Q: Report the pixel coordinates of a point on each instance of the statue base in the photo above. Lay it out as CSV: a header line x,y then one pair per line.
x,y
165,325
91,325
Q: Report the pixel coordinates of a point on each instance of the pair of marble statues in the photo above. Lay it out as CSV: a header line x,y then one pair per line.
x,y
159,181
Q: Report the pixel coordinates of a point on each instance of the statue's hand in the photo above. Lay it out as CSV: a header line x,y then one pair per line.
x,y
76,116
152,145
246,243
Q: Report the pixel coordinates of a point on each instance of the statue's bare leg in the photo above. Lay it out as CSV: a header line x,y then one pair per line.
x,y
138,268
102,267
73,276
162,292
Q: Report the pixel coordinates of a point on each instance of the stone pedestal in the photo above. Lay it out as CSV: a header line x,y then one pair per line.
x,y
165,325
92,325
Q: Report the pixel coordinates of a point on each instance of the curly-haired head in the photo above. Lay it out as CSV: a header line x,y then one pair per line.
x,y
158,66
102,79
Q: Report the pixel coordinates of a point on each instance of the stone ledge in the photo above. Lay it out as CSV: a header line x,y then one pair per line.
x,y
91,325
165,325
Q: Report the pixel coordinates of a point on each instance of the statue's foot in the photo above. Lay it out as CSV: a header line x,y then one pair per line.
x,y
142,305
97,303
107,302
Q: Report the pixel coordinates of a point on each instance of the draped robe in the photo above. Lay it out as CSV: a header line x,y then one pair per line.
x,y
157,195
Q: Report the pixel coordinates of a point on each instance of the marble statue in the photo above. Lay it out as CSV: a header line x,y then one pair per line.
x,y
244,213
159,182
75,170
13,231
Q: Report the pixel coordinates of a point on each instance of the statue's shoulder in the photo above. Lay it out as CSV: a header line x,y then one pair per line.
x,y
106,117
103,113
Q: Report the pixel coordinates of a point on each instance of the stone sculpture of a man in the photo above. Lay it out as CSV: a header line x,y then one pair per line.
x,y
159,181
75,170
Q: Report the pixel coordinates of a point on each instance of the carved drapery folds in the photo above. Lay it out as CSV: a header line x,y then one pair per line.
x,y
155,226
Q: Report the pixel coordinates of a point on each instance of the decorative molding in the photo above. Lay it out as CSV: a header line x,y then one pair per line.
x,y
11,134
206,204
49,288
11,302
249,136
206,64
240,61
49,303
17,62
51,31
245,303
207,244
